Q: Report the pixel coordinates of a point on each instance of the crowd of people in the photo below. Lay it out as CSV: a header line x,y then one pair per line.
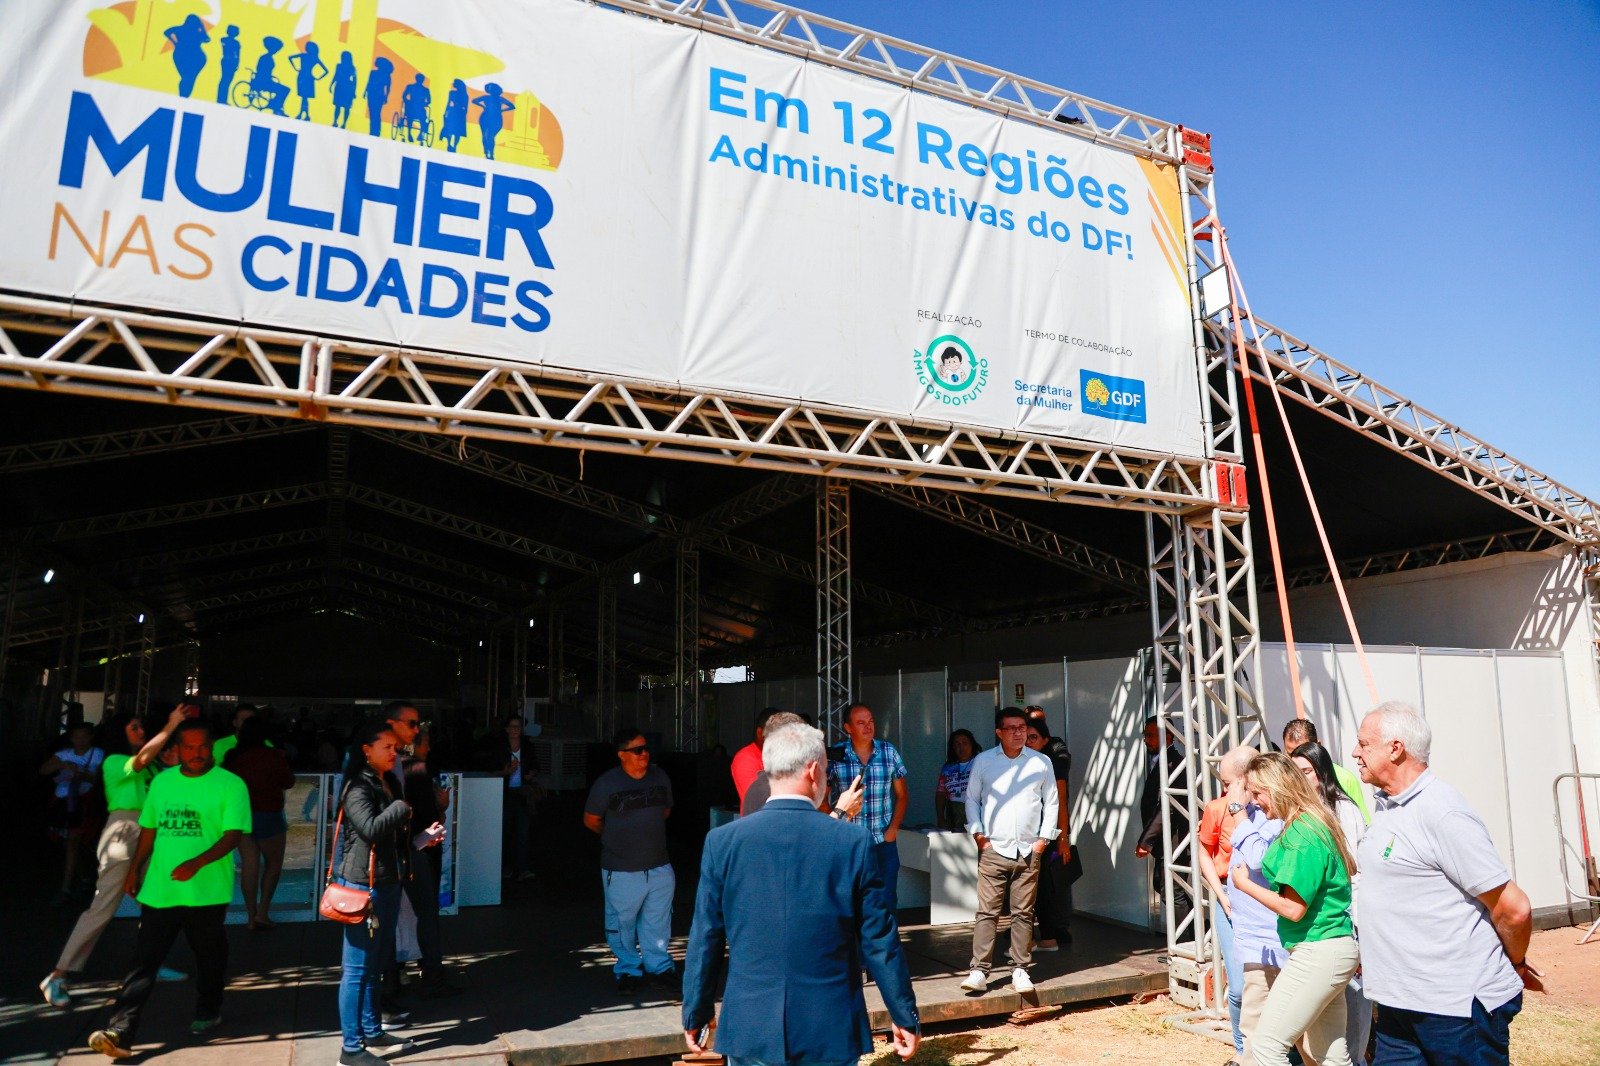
x,y
1334,920
1341,927
171,810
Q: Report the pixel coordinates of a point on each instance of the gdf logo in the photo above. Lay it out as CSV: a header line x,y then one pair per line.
x,y
1109,396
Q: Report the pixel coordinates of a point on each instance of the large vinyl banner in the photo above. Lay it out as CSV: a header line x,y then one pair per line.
x,y
565,185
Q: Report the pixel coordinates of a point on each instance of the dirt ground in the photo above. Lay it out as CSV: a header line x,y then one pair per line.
x,y
1559,1028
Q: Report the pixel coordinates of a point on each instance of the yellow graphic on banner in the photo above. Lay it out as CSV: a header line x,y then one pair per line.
x,y
1166,217
362,73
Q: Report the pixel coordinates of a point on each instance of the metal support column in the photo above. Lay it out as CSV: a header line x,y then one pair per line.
x,y
147,657
1589,558
491,675
69,691
555,652
191,668
1205,692
519,663
12,565
114,649
833,606
686,672
606,659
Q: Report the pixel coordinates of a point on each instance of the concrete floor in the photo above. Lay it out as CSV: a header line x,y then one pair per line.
x,y
539,992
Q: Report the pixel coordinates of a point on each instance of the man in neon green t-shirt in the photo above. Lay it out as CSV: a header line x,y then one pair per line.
x,y
181,876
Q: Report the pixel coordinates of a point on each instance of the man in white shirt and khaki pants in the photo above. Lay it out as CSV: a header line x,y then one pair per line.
x,y
1011,813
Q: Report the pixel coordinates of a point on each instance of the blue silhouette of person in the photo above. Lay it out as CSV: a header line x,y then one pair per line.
x,y
230,63
188,51
454,126
414,101
377,93
306,66
263,82
344,90
492,118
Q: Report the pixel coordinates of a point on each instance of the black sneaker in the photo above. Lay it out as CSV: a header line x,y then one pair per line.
x,y
627,985
667,979
389,1044
359,1058
394,1019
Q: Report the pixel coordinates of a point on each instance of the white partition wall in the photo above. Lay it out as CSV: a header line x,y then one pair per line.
x,y
974,711
1501,732
1538,746
1043,685
1458,699
1105,714
925,731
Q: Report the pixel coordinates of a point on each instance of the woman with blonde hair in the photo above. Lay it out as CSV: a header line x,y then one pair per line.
x,y
1309,865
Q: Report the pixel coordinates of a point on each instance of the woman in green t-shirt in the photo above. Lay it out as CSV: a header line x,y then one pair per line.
x,y
1310,866
126,777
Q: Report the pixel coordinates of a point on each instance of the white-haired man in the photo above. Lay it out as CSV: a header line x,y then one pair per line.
x,y
798,901
1444,929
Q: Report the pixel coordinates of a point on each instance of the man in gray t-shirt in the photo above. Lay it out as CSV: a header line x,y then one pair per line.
x,y
628,806
1444,930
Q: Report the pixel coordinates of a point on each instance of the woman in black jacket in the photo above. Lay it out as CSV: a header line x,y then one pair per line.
x,y
375,850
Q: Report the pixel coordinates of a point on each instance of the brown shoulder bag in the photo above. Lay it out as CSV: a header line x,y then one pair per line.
x,y
341,903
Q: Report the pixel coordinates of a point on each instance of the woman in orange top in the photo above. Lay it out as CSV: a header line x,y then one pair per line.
x,y
1215,837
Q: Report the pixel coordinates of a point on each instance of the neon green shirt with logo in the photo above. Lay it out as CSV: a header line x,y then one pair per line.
x,y
1305,859
125,786
189,815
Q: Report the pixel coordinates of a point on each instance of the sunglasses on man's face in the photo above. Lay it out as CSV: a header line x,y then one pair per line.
x,y
642,749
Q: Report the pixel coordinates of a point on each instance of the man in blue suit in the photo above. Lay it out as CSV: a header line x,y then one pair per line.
x,y
796,898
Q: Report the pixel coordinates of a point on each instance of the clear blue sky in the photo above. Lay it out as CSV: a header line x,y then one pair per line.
x,y
1413,188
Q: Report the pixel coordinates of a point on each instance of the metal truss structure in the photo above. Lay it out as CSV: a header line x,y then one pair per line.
x,y
174,360
817,39
1589,558
833,606
966,511
1341,392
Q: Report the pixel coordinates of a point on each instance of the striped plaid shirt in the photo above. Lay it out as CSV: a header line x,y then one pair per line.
x,y
883,769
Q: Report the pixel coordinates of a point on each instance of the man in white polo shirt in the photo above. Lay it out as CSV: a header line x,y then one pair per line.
x,y
1444,929
1012,813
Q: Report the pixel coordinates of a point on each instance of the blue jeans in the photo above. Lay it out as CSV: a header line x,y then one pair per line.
x,y
367,954
1234,966
793,1062
639,919
1414,1038
887,856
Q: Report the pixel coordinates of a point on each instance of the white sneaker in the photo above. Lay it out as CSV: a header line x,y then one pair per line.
x,y
55,992
977,981
1020,981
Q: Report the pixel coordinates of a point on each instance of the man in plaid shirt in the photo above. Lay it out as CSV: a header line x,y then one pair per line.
x,y
883,784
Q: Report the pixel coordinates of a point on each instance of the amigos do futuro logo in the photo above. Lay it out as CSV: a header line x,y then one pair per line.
x,y
379,80
950,371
